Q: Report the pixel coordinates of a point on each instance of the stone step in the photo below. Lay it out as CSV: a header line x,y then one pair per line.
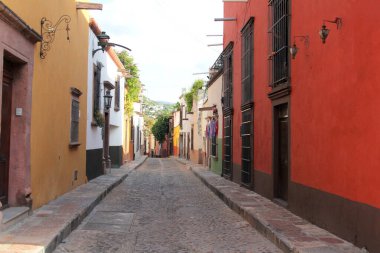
x,y
12,216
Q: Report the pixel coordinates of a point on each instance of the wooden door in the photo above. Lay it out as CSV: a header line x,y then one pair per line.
x,y
283,153
227,145
246,133
6,110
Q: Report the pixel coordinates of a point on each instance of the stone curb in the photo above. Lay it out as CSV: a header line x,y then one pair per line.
x,y
235,197
106,182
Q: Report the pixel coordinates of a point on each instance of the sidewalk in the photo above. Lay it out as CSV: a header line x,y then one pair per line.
x,y
49,225
288,231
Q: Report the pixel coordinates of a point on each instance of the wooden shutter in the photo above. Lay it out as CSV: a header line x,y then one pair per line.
x,y
117,94
74,136
97,83
247,63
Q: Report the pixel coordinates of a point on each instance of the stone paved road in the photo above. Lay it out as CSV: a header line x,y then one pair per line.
x,y
163,207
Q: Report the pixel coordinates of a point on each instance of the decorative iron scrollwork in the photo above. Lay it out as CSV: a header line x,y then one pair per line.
x,y
48,33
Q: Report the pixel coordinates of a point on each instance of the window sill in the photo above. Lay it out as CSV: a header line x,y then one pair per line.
x,y
280,91
93,124
74,144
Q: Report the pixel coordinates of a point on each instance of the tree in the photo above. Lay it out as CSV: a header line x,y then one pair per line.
x,y
193,94
133,82
161,128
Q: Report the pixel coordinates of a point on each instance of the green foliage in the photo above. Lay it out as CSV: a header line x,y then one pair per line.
x,y
161,128
151,111
189,100
193,94
177,106
99,119
133,83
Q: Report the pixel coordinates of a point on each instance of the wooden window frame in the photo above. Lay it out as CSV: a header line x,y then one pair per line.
x,y
74,121
279,21
117,95
228,77
247,63
96,91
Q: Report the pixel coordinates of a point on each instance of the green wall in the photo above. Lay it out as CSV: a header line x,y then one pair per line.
x,y
216,163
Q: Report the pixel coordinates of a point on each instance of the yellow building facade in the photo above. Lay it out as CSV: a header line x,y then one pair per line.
x,y
58,98
176,132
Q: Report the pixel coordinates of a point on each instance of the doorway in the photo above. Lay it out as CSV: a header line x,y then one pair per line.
x,y
281,155
227,146
246,133
5,134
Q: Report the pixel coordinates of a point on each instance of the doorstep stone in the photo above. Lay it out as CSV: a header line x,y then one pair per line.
x,y
12,215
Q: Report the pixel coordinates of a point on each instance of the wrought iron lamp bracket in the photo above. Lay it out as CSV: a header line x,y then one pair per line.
x,y
302,38
103,47
48,30
294,49
337,21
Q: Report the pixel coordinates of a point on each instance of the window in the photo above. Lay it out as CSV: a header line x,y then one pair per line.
x,y
96,90
117,94
192,137
227,77
247,63
138,139
75,114
278,32
227,111
180,116
247,103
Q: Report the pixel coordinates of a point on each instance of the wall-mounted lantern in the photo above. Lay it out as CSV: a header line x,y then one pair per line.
x,y
48,33
324,32
293,50
103,43
107,100
106,155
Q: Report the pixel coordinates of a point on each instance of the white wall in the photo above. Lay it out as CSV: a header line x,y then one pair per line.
x,y
109,73
138,122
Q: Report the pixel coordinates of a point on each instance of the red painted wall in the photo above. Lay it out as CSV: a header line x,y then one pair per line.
x,y
262,108
335,107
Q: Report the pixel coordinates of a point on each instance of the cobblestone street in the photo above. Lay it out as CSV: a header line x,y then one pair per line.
x,y
163,207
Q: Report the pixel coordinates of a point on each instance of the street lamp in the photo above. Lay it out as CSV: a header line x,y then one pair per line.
x,y
103,43
106,156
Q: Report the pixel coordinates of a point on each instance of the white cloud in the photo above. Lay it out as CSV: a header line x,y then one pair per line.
x,y
167,38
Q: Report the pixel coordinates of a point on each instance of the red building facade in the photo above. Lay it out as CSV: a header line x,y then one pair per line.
x,y
304,131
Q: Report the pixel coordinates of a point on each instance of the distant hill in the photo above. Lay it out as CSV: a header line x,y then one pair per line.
x,y
164,102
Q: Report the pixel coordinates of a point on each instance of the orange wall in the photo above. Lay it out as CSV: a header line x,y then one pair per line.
x,y
334,103
53,162
263,107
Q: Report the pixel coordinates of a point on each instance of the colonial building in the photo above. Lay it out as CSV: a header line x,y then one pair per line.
x,y
44,91
300,112
176,129
137,133
17,54
212,116
105,72
186,116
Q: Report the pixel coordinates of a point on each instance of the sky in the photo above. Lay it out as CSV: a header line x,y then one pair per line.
x,y
168,40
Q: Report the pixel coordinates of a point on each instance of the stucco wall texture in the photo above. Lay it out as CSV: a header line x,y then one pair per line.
x,y
333,103
53,163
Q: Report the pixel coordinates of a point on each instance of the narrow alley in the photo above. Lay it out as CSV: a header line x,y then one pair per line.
x,y
163,207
